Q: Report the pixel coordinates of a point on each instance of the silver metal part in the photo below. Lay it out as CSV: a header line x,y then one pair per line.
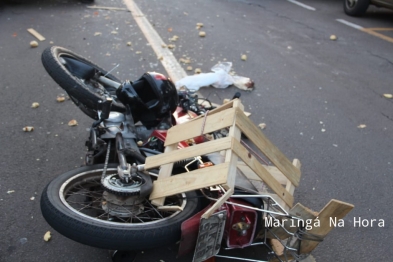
x,y
108,82
125,174
122,206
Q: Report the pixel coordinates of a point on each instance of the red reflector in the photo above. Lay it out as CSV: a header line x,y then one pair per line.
x,y
159,76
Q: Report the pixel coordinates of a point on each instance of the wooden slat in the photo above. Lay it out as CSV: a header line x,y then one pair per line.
x,y
193,128
36,34
257,167
267,147
196,179
218,203
165,171
334,209
184,153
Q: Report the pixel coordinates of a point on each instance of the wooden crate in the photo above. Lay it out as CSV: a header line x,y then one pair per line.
x,y
232,116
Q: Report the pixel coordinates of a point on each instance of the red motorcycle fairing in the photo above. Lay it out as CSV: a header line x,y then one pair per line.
x,y
240,227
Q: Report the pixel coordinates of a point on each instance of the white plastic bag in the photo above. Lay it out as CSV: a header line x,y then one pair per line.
x,y
220,78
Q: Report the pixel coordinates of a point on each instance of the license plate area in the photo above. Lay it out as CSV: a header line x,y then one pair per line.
x,y
211,231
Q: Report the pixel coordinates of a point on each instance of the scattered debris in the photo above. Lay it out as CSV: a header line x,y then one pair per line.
x,y
170,29
189,68
97,33
197,71
199,26
47,236
164,46
33,43
140,143
244,57
32,198
129,43
289,47
323,130
262,126
36,34
73,122
28,129
171,46
185,60
35,105
333,37
51,42
10,191
388,96
202,34
160,57
60,98
114,32
335,145
362,126
174,38
138,52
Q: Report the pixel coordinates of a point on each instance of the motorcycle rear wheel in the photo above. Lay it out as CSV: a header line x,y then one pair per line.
x,y
85,92
72,205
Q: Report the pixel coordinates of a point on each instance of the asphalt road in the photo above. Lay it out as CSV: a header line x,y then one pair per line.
x,y
313,94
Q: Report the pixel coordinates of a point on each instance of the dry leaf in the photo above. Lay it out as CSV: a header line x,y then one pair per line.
x,y
199,26
333,37
160,57
129,43
362,126
28,129
35,105
170,29
388,95
114,33
171,46
262,126
202,34
189,68
97,33
198,71
47,236
244,57
138,52
33,43
60,99
73,122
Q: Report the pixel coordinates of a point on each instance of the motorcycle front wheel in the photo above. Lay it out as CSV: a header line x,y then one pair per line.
x,y
73,205
79,78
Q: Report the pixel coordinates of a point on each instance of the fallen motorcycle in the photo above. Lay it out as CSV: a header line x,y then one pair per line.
x,y
106,203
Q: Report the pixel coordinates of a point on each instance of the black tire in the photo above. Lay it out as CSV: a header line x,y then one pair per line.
x,y
90,226
356,7
85,92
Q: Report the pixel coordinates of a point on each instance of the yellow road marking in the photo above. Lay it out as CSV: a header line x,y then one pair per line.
x,y
380,29
373,32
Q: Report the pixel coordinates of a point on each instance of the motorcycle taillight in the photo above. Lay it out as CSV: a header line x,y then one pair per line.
x,y
241,227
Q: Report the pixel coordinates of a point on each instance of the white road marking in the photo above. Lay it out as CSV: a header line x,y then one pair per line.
x,y
302,5
349,24
169,61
